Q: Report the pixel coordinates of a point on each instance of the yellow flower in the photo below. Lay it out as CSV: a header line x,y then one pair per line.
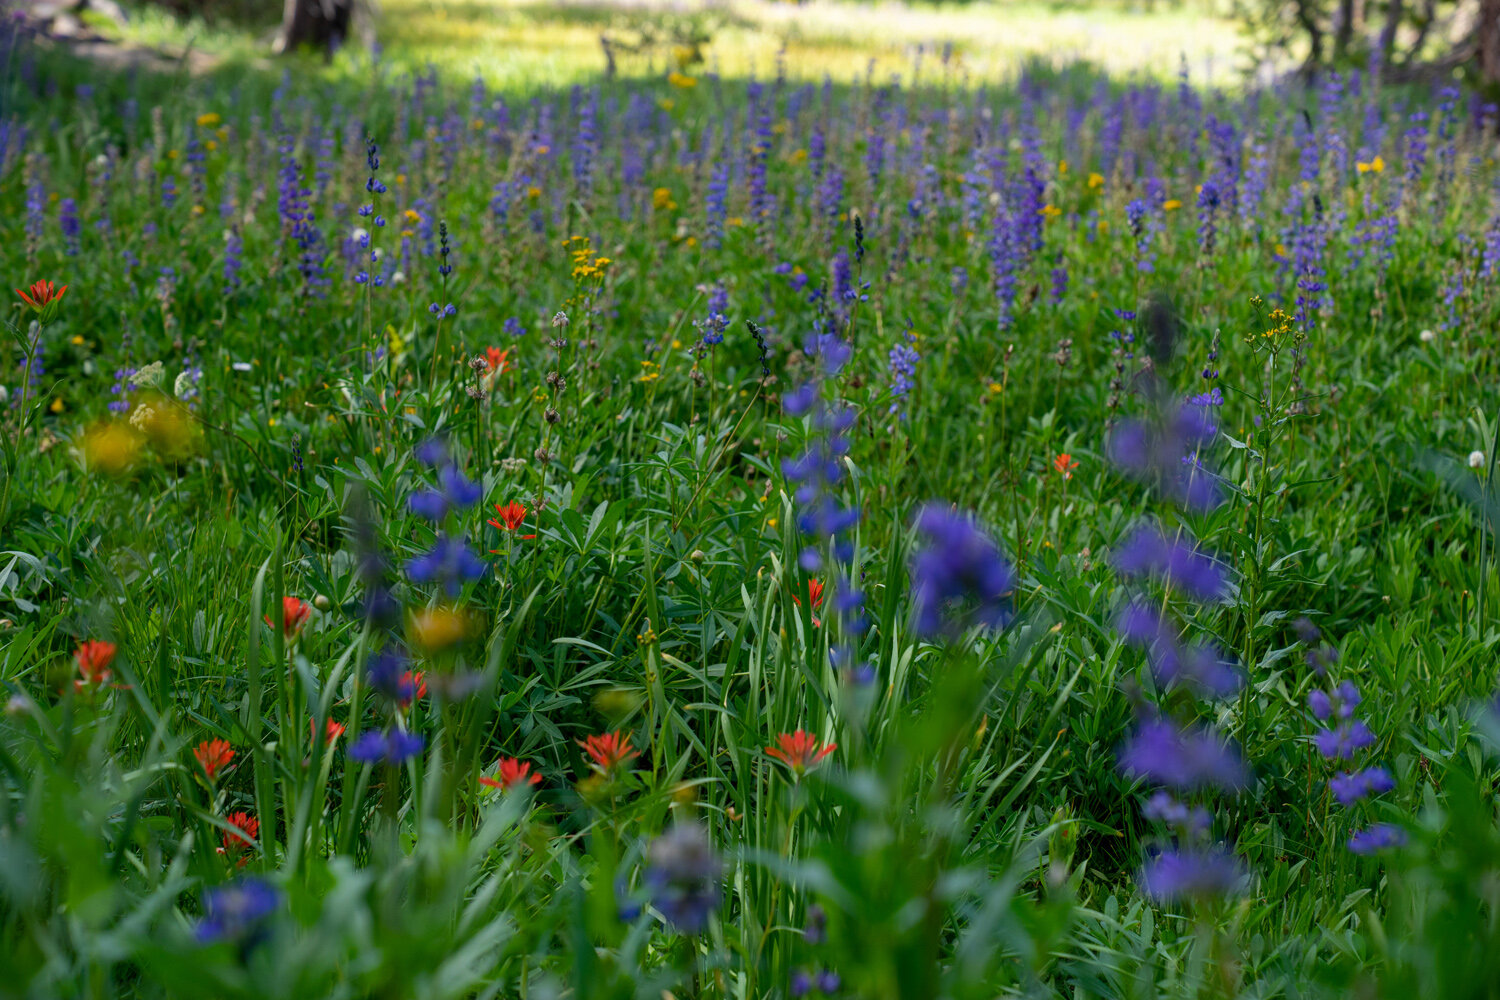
x,y
1376,166
676,345
477,124
1062,168
57,406
1103,225
434,629
797,156
210,119
222,133
198,209
1280,250
171,154
1171,205
542,150
400,178
691,241
734,221
533,192
661,199
111,448
677,79
666,104
211,145
1096,181
78,340
413,216
1051,211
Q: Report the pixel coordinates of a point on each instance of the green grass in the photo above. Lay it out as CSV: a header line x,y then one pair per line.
x,y
972,835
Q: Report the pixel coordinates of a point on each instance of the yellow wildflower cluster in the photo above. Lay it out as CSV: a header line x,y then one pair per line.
x,y
649,375
585,263
661,200
1375,166
681,81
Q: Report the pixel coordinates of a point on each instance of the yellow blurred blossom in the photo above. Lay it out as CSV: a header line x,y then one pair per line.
x,y
209,119
112,448
1171,205
1096,181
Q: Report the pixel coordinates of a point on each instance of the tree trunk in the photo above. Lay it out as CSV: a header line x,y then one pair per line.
x,y
1393,11
319,24
1487,35
1344,30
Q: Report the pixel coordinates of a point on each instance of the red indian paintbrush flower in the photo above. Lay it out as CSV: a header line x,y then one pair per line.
x,y
513,773
498,361
1065,465
331,730
814,597
294,614
245,829
94,658
43,294
610,750
799,751
511,516
413,687
213,756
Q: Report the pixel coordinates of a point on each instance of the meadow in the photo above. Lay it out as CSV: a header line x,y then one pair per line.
x,y
714,533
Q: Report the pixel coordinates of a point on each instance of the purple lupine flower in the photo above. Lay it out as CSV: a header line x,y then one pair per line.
x,y
1380,837
234,249
903,360
67,220
236,913
958,576
392,748
1187,821
1191,874
449,562
1351,786
1344,741
1208,207
1185,759
682,877
1148,552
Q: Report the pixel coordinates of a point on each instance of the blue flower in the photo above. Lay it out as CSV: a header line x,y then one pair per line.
x,y
391,748
682,875
957,564
1185,759
1345,741
1379,837
1351,786
1191,873
1148,552
236,912
450,562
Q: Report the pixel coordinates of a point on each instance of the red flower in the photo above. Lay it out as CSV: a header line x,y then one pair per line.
x,y
42,295
294,614
513,773
498,361
213,756
1065,465
94,658
245,829
814,597
610,750
511,516
414,686
331,730
799,751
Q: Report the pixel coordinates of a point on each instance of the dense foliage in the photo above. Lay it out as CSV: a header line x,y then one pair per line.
x,y
725,537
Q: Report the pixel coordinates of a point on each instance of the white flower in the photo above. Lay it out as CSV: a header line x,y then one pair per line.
x,y
1476,459
1427,336
360,235
142,416
183,385
4,395
151,375
399,278
241,366
376,255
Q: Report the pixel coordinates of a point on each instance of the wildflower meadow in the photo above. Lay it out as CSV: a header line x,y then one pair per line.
x,y
747,534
